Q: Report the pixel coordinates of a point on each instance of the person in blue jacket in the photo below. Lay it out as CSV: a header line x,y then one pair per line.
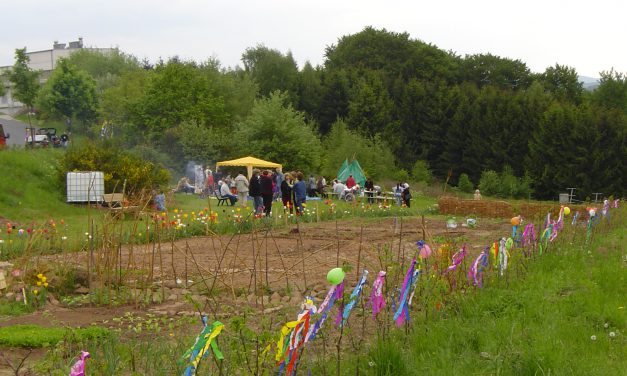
x,y
300,193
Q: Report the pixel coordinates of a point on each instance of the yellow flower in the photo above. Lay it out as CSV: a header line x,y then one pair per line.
x,y
44,279
40,276
38,283
35,291
46,284
176,210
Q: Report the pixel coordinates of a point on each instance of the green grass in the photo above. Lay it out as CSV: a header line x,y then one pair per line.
x,y
539,324
30,189
34,336
13,308
32,196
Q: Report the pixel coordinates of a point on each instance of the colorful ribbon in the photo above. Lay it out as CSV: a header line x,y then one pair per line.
x,y
354,297
377,300
288,351
402,312
78,369
475,273
205,339
575,217
494,251
503,255
335,292
529,235
457,259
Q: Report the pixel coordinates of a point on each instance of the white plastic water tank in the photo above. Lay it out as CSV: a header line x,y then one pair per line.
x,y
564,198
85,186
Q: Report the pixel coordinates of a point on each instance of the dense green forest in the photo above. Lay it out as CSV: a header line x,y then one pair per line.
x,y
399,105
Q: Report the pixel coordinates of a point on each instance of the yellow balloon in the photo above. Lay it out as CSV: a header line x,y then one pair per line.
x,y
566,210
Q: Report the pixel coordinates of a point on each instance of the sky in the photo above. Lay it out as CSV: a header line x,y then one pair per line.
x,y
587,35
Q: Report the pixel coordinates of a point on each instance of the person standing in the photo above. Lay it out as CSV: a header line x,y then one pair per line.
x,y
406,195
300,193
350,182
398,193
278,179
266,192
241,184
320,186
286,192
210,183
254,187
311,187
370,190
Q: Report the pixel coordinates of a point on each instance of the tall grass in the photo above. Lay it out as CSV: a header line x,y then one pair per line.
x,y
565,316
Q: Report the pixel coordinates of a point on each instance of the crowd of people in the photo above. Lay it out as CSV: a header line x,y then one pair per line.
x,y
291,189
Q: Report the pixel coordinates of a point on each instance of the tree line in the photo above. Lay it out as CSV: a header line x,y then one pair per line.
x,y
399,105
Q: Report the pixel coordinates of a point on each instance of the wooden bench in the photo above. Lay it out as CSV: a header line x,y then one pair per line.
x,y
116,202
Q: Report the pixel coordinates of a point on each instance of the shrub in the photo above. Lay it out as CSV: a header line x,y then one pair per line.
x,y
401,175
464,184
505,184
490,183
421,172
119,167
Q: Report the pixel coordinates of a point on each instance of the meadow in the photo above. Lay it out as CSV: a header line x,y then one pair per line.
x,y
556,312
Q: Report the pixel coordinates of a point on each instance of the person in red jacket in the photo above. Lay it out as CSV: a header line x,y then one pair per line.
x,y
350,182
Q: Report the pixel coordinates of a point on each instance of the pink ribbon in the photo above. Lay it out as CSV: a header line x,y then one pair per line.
x,y
458,257
78,369
377,300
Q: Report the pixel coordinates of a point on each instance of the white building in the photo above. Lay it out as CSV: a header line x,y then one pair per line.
x,y
44,61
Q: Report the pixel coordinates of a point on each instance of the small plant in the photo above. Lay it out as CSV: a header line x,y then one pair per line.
x,y
35,336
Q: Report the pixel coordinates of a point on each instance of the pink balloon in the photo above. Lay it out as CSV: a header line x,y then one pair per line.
x,y
425,252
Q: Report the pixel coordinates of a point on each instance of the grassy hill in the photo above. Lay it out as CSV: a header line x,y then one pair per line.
x,y
31,191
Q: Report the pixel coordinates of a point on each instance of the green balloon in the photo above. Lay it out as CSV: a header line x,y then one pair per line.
x,y
335,276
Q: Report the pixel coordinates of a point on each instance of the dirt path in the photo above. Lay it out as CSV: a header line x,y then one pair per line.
x,y
279,265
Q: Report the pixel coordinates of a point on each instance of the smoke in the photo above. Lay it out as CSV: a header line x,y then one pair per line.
x,y
196,173
190,169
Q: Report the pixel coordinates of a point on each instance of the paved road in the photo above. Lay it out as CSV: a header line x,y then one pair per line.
x,y
15,128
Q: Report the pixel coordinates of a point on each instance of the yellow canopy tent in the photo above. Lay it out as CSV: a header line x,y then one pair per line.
x,y
249,162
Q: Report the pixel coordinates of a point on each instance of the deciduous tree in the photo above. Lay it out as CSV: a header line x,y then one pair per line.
x,y
70,92
24,80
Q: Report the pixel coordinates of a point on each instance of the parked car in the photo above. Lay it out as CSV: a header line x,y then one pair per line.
x,y
41,138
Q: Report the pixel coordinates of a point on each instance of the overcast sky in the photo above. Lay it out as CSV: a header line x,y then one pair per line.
x,y
587,35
